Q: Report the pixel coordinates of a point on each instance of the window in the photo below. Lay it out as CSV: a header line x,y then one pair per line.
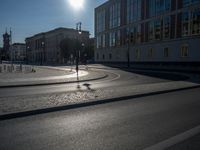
x,y
184,50
151,8
97,56
133,10
98,41
115,10
195,21
185,23
101,41
167,5
150,52
151,31
157,27
101,17
166,27
189,2
138,33
186,3
114,38
159,6
137,53
131,35
103,56
110,56
166,52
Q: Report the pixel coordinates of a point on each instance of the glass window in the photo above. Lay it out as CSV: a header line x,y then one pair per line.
x,y
101,17
157,26
151,31
151,8
185,23
184,50
133,10
159,6
138,33
167,5
131,35
195,1
186,3
195,21
115,10
103,56
166,52
166,27
137,53
115,38
150,53
110,56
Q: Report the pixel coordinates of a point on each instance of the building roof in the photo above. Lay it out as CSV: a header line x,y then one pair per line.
x,y
18,44
102,5
55,30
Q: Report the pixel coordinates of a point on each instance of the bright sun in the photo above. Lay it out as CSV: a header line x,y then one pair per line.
x,y
76,4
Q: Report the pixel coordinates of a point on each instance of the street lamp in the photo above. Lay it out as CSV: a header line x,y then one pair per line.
x,y
42,53
78,29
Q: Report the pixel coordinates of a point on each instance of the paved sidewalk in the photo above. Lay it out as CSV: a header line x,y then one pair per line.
x,y
44,101
48,75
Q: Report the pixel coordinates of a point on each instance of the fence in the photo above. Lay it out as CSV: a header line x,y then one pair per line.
x,y
13,68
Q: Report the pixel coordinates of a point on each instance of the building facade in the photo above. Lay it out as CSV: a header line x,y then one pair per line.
x,y
44,48
148,31
18,52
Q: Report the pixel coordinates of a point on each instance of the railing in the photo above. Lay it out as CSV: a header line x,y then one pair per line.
x,y
16,68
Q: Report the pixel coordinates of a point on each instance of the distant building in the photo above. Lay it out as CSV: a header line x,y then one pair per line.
x,y
44,48
148,31
6,46
1,49
18,52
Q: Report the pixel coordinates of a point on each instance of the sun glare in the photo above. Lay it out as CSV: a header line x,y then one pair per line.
x,y
76,4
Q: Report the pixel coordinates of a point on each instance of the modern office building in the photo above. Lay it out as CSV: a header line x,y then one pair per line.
x,y
148,31
44,48
18,52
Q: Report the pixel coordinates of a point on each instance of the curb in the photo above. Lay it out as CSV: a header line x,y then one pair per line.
x,y
86,104
53,83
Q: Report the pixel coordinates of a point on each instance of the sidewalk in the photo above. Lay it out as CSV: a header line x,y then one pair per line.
x,y
47,75
86,97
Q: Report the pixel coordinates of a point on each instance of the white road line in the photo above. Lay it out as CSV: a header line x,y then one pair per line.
x,y
175,140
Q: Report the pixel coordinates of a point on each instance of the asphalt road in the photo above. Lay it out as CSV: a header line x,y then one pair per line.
x,y
116,77
131,124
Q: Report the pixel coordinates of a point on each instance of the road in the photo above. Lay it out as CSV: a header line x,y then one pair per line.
x,y
116,77
131,124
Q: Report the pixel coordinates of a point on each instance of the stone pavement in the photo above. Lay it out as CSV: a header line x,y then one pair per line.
x,y
47,75
43,101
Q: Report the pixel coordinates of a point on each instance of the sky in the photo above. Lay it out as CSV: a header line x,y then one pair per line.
x,y
29,17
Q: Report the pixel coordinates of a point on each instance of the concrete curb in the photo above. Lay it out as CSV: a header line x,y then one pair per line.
x,y
53,83
86,104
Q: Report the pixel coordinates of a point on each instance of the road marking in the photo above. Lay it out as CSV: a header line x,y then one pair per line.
x,y
175,140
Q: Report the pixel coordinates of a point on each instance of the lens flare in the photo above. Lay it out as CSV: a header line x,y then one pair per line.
x,y
76,4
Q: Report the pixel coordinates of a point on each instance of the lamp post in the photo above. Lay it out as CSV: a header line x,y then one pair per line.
x,y
78,29
42,53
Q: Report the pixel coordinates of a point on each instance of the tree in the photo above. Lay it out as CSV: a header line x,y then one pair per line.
x,y
70,47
